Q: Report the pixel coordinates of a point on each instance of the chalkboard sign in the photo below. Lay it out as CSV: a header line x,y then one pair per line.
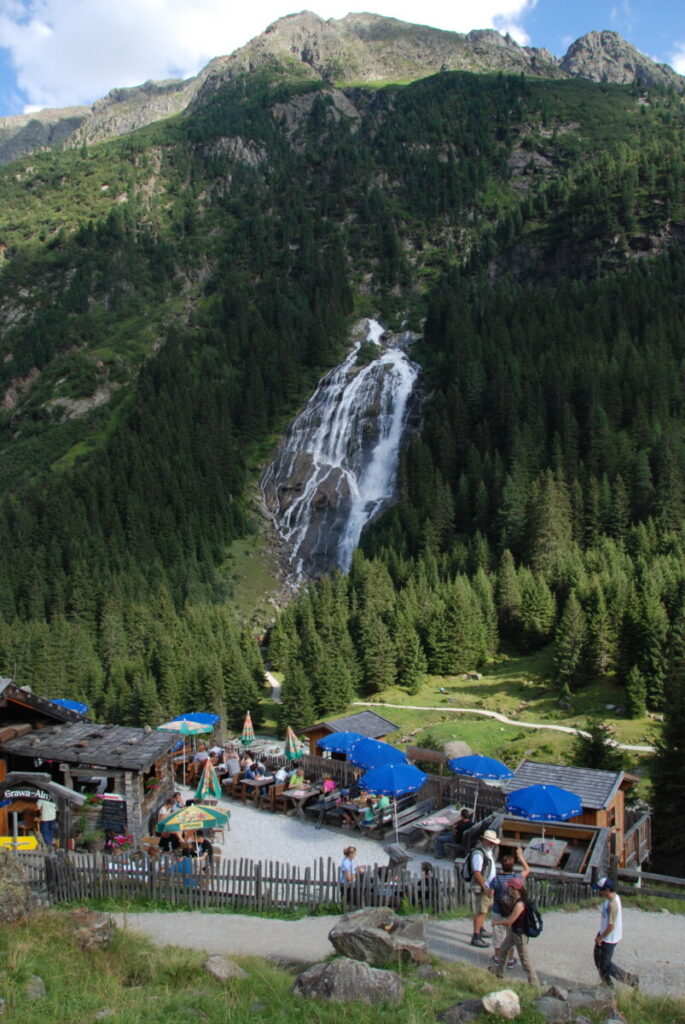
x,y
113,816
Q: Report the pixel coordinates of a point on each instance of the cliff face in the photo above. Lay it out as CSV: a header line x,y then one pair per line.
x,y
356,48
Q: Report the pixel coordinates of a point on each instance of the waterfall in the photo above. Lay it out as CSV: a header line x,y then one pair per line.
x,y
336,469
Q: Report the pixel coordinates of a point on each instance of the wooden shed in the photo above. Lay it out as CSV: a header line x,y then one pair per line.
x,y
136,764
602,795
22,711
367,723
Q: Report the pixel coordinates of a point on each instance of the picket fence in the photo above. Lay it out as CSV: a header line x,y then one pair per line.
x,y
258,885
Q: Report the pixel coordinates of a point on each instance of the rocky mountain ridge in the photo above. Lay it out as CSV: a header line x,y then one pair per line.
x,y
356,48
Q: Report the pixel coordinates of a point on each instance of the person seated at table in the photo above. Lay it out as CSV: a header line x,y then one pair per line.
x,y
201,755
382,808
328,784
216,751
297,779
254,771
455,835
169,842
246,760
232,764
282,774
368,818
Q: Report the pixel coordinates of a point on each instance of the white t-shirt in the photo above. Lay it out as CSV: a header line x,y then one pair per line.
x,y
612,912
478,859
48,810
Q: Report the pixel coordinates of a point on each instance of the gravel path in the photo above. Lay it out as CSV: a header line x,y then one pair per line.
x,y
652,946
640,748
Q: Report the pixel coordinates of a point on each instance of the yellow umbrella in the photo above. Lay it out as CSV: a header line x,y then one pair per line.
x,y
194,817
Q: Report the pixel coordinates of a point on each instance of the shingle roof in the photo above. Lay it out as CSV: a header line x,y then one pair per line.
x,y
368,723
10,691
595,788
105,746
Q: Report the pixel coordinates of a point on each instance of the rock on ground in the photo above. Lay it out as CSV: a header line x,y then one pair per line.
x,y
378,936
345,981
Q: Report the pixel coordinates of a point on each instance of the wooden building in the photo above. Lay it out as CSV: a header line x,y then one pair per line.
x,y
602,795
134,765
22,711
367,723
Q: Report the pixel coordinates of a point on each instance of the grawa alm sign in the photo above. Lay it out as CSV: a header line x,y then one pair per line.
x,y
26,793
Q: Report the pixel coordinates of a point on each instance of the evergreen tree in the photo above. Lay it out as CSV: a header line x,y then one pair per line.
x,y
297,705
636,693
597,749
569,644
668,778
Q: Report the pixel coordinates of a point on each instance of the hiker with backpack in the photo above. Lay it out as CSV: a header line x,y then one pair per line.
x,y
504,900
523,923
479,869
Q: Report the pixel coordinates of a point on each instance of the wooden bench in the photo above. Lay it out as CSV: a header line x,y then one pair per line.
x,y
406,810
270,797
408,818
231,784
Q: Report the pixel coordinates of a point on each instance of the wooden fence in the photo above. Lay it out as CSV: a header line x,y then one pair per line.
x,y
266,885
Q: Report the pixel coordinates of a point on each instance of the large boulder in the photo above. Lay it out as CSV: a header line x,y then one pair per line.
x,y
457,748
346,981
16,901
378,936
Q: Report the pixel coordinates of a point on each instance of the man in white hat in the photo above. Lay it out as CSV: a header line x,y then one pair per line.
x,y
609,935
483,871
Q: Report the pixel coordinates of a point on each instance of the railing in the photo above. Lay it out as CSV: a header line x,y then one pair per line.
x,y
259,885
637,841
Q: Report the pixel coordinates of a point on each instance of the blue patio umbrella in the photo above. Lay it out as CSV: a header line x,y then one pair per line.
x,y
202,717
544,803
374,754
339,742
477,766
393,780
71,705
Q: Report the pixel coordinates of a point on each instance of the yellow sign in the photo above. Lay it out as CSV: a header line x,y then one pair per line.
x,y
23,842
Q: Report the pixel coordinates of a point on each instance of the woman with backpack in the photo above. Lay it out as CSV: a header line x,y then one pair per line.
x,y
516,935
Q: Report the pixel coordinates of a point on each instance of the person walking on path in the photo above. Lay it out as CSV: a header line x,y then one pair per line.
x,y
515,937
504,899
609,935
483,871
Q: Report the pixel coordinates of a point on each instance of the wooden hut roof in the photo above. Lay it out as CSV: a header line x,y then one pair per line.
x,y
368,723
102,746
18,697
595,788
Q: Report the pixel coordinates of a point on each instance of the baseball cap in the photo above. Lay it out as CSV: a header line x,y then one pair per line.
x,y
604,883
515,883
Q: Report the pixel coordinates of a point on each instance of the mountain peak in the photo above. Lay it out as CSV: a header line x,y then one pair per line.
x,y
606,57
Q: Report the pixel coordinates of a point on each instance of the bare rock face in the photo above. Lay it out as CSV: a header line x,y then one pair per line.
x,y
378,936
606,57
347,981
16,901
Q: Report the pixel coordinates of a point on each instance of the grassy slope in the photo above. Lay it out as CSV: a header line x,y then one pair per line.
x,y
519,689
138,981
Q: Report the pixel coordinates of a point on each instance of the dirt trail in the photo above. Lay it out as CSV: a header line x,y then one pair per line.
x,y
641,749
652,946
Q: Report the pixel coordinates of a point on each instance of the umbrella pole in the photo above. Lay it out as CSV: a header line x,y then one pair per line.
x,y
394,814
475,800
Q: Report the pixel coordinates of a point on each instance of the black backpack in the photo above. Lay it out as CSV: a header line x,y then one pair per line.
x,y
529,922
467,866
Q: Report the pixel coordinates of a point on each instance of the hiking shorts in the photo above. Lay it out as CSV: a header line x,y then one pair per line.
x,y
481,902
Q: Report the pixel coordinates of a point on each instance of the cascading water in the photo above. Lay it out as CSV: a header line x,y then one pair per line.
x,y
337,466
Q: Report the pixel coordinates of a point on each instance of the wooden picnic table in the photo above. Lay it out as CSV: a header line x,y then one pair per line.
x,y
438,822
298,798
254,787
545,853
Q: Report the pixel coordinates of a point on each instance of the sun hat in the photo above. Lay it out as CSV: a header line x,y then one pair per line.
x,y
490,836
604,883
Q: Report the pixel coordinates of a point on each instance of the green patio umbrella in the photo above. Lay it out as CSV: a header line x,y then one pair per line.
x,y
187,728
247,735
292,748
208,786
193,817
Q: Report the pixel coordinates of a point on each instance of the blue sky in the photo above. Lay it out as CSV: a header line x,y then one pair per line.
x,y
56,53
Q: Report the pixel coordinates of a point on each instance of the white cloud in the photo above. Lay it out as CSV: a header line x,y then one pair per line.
x,y
677,58
66,52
